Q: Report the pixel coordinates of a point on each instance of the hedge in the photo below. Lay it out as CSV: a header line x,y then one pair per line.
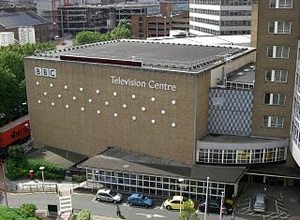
x,y
20,168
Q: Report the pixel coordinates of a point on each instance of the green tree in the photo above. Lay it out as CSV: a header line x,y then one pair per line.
x,y
84,215
123,30
28,209
12,79
189,213
15,152
123,23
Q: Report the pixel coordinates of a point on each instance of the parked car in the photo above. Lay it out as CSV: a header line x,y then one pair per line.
x,y
214,207
108,195
176,201
137,199
259,203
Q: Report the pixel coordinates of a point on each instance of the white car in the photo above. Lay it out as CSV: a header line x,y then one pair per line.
x,y
108,195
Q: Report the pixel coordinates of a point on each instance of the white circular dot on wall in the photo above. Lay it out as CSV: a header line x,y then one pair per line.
x,y
65,87
153,99
74,98
51,85
134,118
59,96
115,94
173,124
173,101
124,106
81,89
45,93
106,102
115,114
163,112
37,83
153,121
82,109
67,106
133,96
143,108
52,104
98,111
90,100
97,91
39,101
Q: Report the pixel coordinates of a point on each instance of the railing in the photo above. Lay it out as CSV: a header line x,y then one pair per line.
x,y
32,188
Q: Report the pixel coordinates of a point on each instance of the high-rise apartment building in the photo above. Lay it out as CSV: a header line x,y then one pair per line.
x,y
220,17
276,66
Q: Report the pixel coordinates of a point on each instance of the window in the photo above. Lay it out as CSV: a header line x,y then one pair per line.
x,y
273,121
276,76
275,99
281,3
278,52
280,27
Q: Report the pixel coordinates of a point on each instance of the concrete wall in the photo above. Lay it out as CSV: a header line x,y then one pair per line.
x,y
89,133
264,39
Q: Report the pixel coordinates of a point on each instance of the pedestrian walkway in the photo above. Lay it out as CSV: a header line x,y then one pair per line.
x,y
98,217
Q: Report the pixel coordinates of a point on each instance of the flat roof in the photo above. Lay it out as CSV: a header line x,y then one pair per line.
x,y
232,142
155,55
127,161
14,123
237,40
246,74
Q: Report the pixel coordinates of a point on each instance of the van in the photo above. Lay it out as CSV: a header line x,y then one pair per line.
x,y
259,203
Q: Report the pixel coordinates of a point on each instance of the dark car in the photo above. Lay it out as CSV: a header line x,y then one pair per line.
x,y
214,207
137,199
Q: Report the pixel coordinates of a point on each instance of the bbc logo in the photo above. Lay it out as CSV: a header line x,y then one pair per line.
x,y
45,72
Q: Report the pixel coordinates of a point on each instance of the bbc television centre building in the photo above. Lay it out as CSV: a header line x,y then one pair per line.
x,y
149,113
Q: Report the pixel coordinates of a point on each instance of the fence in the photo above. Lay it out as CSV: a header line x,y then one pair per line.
x,y
32,187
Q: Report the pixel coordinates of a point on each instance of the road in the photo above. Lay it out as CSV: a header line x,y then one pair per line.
x,y
86,201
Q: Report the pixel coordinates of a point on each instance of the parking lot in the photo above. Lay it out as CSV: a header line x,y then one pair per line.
x,y
281,203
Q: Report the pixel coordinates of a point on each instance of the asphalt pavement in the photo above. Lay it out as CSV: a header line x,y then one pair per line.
x,y
86,200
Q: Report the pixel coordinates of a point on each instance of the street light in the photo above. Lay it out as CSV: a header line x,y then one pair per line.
x,y
221,206
42,169
180,180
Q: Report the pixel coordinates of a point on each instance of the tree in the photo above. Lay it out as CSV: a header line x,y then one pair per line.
x,y
84,215
189,213
12,79
123,30
15,152
28,209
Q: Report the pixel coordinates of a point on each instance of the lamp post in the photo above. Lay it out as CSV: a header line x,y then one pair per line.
x,y
180,180
42,169
221,206
206,198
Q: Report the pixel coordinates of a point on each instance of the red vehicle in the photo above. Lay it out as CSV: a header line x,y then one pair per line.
x,y
14,132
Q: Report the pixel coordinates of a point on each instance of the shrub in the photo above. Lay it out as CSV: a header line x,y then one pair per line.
x,y
83,215
28,209
78,178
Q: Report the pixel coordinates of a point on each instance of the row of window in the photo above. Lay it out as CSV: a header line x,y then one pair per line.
x,y
154,185
280,27
273,121
281,3
206,21
273,3
222,2
223,12
275,99
278,52
221,156
205,30
236,23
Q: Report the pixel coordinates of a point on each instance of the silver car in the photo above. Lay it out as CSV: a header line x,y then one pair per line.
x,y
108,195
